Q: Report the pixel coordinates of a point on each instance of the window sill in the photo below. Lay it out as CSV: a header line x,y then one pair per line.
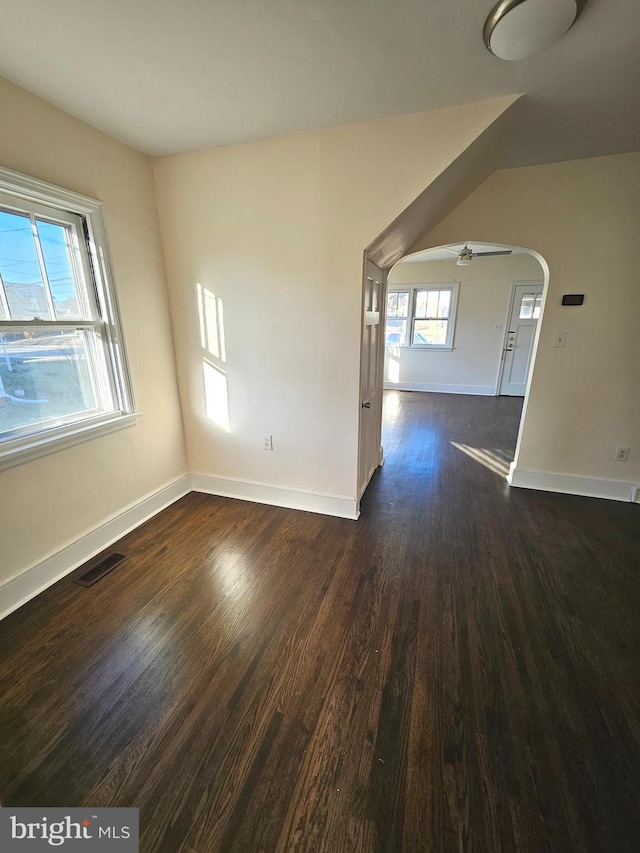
x,y
22,450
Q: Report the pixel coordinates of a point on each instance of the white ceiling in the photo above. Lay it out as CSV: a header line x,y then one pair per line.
x,y
169,76
449,254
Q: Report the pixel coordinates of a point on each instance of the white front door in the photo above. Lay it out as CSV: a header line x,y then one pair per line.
x,y
525,310
370,376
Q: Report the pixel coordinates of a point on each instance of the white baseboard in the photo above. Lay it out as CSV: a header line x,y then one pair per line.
x,y
569,484
365,485
20,589
262,493
17,591
441,388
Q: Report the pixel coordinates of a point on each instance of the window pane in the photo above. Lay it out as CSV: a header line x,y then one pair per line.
x,y
396,332
56,376
527,306
444,303
538,303
55,242
403,304
51,377
432,303
20,268
397,304
432,332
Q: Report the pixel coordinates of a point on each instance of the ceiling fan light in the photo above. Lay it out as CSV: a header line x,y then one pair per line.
x,y
463,260
518,29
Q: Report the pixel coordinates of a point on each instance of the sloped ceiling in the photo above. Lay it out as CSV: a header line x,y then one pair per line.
x,y
168,76
442,195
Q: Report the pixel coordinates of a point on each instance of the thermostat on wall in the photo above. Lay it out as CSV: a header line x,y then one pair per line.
x,y
573,299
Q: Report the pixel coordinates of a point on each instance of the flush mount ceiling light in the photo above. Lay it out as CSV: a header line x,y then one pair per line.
x,y
517,29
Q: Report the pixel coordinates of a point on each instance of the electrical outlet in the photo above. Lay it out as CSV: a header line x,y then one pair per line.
x,y
267,441
621,454
497,327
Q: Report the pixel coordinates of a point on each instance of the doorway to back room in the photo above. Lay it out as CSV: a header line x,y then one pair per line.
x,y
462,320
463,328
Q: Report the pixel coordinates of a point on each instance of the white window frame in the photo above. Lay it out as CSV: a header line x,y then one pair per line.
x,y
103,313
413,290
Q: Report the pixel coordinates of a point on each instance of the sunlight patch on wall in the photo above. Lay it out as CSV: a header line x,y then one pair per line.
x,y
494,460
393,364
212,340
216,395
211,312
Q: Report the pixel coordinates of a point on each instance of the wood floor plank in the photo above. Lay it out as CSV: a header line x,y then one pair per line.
x,y
456,671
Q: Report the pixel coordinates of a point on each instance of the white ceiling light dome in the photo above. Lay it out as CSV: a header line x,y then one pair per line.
x,y
518,29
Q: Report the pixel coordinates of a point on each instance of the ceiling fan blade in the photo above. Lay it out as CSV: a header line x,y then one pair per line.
x,y
449,249
489,254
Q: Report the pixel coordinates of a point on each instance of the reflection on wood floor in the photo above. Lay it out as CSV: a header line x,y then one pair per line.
x,y
457,670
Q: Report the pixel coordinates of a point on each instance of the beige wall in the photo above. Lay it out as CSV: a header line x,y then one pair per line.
x,y
484,291
50,502
276,230
583,217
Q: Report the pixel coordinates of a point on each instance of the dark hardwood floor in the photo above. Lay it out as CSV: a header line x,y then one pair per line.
x,y
456,671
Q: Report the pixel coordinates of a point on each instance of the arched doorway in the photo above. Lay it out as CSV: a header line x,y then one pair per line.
x,y
467,327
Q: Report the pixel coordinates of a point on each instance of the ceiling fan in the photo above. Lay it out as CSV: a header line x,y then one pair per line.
x,y
465,254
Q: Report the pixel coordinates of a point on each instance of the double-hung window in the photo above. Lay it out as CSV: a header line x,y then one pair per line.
x,y
63,370
421,316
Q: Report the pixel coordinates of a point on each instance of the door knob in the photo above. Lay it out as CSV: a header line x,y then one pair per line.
x,y
366,405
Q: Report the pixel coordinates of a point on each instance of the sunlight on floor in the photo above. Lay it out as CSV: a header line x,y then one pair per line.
x,y
230,573
494,460
391,405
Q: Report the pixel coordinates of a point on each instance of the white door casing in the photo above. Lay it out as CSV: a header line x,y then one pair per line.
x,y
518,349
371,368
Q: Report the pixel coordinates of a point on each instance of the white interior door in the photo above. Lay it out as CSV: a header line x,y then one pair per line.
x,y
370,452
525,311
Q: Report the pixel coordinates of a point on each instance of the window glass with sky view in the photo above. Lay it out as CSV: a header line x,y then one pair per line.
x,y
57,363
